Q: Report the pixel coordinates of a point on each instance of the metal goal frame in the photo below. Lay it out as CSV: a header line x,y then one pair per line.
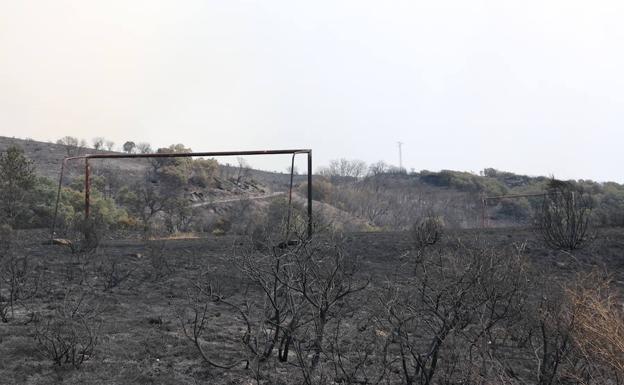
x,y
87,173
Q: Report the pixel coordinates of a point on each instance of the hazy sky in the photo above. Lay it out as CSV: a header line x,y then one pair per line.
x,y
534,87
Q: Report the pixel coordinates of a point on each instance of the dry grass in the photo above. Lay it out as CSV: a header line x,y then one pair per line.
x,y
597,308
176,236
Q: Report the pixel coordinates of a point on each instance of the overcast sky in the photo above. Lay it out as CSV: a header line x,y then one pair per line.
x,y
530,86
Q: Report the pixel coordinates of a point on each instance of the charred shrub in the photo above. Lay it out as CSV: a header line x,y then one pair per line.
x,y
19,281
196,320
159,265
114,271
427,231
564,222
70,334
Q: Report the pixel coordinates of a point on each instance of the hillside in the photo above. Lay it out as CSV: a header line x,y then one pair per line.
x,y
390,200
234,199
48,157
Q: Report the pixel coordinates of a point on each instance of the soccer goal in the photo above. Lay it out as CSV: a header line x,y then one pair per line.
x,y
93,157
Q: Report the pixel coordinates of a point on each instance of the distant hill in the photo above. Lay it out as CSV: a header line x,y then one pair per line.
x,y
220,200
48,157
391,200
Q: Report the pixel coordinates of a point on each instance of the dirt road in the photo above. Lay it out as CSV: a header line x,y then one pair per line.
x,y
236,199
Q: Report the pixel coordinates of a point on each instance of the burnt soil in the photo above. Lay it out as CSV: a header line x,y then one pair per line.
x,y
141,341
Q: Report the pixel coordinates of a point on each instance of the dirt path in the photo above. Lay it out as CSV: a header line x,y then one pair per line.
x,y
236,199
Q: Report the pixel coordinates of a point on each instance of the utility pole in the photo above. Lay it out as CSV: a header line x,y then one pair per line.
x,y
400,156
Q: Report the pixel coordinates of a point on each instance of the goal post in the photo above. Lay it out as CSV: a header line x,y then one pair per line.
x,y
87,173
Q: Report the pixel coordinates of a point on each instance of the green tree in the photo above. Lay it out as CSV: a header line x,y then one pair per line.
x,y
161,196
17,178
143,201
203,172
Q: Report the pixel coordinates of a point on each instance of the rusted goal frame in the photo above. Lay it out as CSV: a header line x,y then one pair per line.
x,y
88,157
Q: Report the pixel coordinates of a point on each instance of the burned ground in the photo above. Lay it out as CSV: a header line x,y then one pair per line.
x,y
137,289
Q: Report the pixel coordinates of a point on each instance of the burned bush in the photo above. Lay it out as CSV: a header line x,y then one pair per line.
x,y
306,287
70,334
427,231
203,296
113,271
565,219
440,317
19,281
